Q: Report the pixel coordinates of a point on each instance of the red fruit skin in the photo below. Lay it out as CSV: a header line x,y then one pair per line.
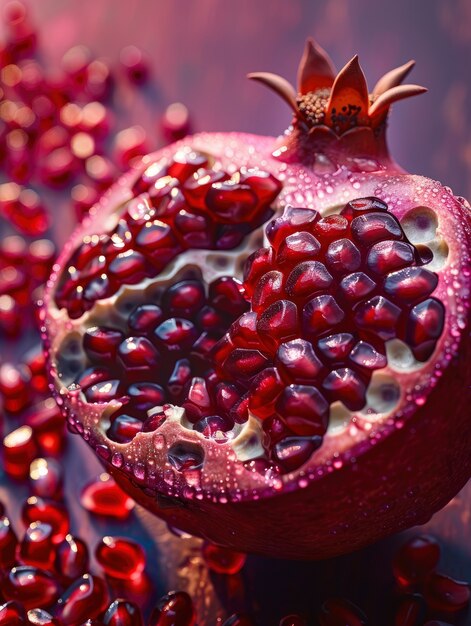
x,y
363,497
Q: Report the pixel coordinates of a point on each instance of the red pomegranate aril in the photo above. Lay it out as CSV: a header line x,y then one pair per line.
x,y
231,201
424,327
297,361
243,364
365,355
268,289
378,317
194,230
446,594
83,198
46,420
298,247
185,163
173,609
415,560
214,427
40,617
222,560
410,611
145,318
265,389
123,613
103,392
8,543
179,377
292,220
137,354
346,385
373,227
331,228
100,170
11,317
341,612
307,278
175,123
19,449
176,334
387,256
71,558
124,428
343,256
292,452
336,347
292,620
156,235
265,186
45,478
363,205
304,410
14,387
31,586
211,320
41,255
244,330
35,361
198,401
410,283
226,294
103,497
120,557
92,376
128,267
321,314
279,322
356,286
50,512
184,298
145,396
86,598
134,64
129,144
12,614
101,343
36,547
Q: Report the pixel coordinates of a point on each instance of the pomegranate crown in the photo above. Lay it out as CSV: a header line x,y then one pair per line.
x,y
339,101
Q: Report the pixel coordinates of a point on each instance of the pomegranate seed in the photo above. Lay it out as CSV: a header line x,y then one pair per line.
x,y
339,611
331,227
173,609
198,401
279,322
372,227
35,361
30,586
304,410
257,264
356,286
307,278
41,255
296,360
184,298
103,392
292,620
176,334
45,478
410,283
138,355
175,122
95,119
36,547
343,256
71,558
83,198
46,420
186,456
122,613
11,319
231,201
101,343
48,511
124,428
410,611
425,326
120,558
446,594
244,364
134,64
268,289
345,385
292,220
129,144
363,205
101,171
321,314
214,427
387,256
378,316
185,163
8,543
12,614
145,318
86,598
416,560
104,497
222,560
14,387
40,617
292,452
19,450
179,377
265,389
145,396
366,355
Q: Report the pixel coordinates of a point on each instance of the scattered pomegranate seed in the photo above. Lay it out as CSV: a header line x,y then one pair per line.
x,y
19,450
129,144
86,598
175,122
104,497
36,547
443,593
174,609
339,611
45,478
83,198
14,387
122,613
71,560
222,560
415,560
31,586
11,319
134,64
120,558
48,511
48,425
8,543
35,361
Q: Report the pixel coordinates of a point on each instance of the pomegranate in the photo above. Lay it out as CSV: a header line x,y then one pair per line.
x,y
266,341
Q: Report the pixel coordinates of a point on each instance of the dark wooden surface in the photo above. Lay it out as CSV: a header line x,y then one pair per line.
x,y
200,52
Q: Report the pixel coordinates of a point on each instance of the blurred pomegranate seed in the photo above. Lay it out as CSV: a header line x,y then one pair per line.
x,y
96,120
101,171
83,198
13,249
82,146
173,609
12,614
222,560
8,543
103,497
11,317
71,559
55,514
341,612
415,560
129,144
410,611
443,593
134,64
40,617
36,547
122,613
74,63
19,449
35,361
22,38
14,387
23,208
41,255
45,478
120,557
175,122
59,167
99,80
46,420
86,598
31,586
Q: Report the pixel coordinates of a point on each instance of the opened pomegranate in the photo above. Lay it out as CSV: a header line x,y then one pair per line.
x,y
266,341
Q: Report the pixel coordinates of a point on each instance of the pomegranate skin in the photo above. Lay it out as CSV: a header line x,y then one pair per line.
x,y
377,473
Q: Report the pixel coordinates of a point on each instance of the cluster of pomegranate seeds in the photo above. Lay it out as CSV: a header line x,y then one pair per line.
x,y
185,203
326,296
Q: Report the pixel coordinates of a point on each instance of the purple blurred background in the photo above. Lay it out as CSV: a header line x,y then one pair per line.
x,y
201,51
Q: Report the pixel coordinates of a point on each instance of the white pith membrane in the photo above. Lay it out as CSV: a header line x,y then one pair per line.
x,y
403,378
